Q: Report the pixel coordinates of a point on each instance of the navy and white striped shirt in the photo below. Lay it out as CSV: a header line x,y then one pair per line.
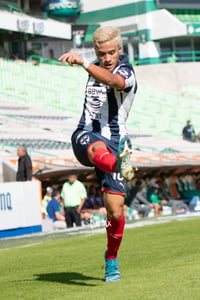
x,y
106,109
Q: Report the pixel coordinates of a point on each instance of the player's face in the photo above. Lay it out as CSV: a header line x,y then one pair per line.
x,y
108,55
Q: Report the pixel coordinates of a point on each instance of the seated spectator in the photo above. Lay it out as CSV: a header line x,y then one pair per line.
x,y
54,210
177,205
94,204
140,202
198,137
189,190
99,202
45,201
94,198
90,200
156,201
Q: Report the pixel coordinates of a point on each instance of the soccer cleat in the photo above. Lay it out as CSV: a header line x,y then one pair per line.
x,y
112,270
123,163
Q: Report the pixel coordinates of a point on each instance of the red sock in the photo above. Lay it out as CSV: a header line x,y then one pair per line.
x,y
115,229
104,160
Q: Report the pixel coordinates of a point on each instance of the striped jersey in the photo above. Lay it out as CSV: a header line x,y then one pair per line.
x,y
106,109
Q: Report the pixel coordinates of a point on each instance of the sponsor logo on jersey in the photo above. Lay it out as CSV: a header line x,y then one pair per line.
x,y
96,91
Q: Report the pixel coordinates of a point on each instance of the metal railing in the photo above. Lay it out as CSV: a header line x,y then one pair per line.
x,y
169,57
165,57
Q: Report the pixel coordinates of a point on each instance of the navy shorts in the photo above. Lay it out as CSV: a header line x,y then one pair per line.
x,y
81,140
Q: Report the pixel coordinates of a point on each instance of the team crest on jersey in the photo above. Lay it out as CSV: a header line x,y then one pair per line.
x,y
85,140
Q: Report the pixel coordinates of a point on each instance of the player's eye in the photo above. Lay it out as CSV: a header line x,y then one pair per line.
x,y
112,52
101,54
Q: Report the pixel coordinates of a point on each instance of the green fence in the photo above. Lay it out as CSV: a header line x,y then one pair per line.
x,y
169,57
165,57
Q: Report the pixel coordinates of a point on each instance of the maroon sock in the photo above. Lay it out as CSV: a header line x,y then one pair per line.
x,y
115,229
104,160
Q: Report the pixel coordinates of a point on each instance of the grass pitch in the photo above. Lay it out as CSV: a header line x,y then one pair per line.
x,y
160,261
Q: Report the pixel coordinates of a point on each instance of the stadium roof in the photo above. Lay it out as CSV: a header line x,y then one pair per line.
x,y
21,22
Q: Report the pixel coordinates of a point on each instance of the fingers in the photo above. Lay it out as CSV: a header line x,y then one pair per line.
x,y
71,58
64,58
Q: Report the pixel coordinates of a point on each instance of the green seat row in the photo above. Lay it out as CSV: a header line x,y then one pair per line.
x,y
59,88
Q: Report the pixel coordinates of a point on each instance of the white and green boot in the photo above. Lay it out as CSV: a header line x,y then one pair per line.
x,y
124,166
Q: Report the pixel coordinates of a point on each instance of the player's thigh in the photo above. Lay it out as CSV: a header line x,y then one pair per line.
x,y
81,141
112,182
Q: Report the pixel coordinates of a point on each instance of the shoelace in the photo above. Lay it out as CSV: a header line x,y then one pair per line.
x,y
112,270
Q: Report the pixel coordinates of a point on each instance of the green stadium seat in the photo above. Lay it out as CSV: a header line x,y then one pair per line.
x,y
57,89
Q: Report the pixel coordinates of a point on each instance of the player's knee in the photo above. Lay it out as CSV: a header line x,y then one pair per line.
x,y
116,215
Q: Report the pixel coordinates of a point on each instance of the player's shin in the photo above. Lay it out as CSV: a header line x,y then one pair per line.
x,y
115,229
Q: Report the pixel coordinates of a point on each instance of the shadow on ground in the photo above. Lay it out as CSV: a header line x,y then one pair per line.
x,y
73,278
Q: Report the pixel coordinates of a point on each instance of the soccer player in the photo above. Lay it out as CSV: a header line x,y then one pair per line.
x,y
101,139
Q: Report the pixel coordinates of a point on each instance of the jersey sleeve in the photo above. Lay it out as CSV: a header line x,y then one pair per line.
x,y
127,73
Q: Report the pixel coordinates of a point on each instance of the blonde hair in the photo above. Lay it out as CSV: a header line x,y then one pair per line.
x,y
107,33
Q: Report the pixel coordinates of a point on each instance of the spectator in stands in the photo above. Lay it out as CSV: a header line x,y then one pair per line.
x,y
54,210
47,197
156,201
188,132
74,195
24,172
94,198
91,195
94,204
198,137
99,202
51,53
177,205
14,56
139,201
2,52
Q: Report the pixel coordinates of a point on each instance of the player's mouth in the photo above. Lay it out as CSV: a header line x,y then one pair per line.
x,y
108,67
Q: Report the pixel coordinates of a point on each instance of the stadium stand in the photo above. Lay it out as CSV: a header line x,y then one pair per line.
x,y
36,143
54,88
41,104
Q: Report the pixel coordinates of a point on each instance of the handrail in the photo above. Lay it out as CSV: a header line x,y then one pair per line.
x,y
165,57
169,57
21,119
36,60
30,150
10,8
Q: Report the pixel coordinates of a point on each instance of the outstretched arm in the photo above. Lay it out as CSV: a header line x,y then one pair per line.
x,y
98,73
